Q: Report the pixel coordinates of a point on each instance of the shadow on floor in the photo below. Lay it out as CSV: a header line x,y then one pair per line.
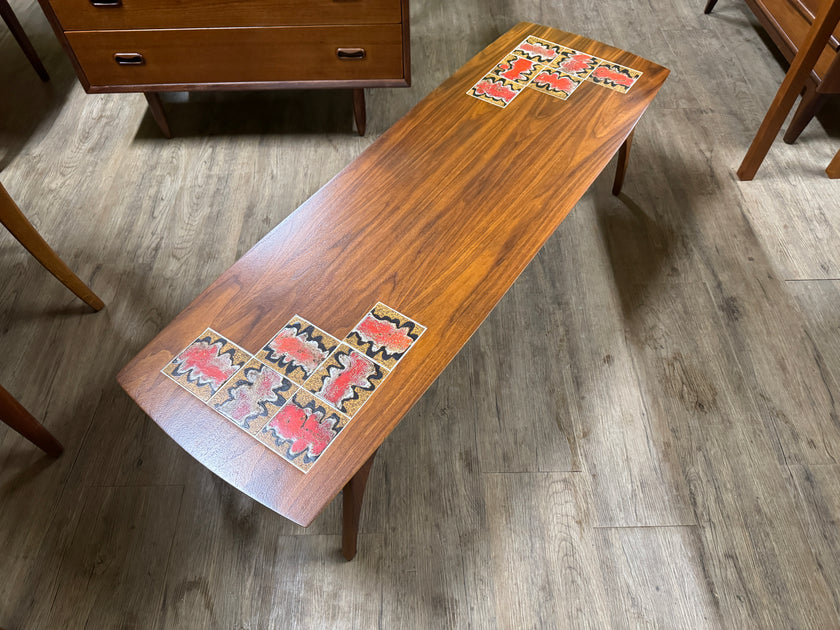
x,y
253,113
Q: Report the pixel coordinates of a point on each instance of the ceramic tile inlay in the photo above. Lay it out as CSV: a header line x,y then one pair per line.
x,y
253,395
540,50
614,77
576,63
302,430
206,364
384,335
298,349
549,68
555,83
516,69
262,394
496,91
346,380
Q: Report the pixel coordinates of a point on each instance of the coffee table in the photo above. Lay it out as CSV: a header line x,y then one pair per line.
x,y
435,220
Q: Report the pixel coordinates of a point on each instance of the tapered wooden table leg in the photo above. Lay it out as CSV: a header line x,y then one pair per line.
x,y
359,110
14,414
17,32
709,6
833,169
14,220
623,161
156,107
352,496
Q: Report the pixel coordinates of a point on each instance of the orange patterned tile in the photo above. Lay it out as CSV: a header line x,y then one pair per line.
x,y
204,366
302,430
384,335
253,395
346,380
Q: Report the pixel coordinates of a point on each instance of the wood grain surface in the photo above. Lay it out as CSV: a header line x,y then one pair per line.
x,y
676,468
437,219
76,15
269,54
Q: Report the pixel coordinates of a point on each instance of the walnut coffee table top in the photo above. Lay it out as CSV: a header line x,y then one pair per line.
x,y
435,220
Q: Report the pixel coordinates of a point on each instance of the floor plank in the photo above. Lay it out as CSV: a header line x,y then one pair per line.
x,y
562,585
654,578
754,549
519,334
631,485
432,518
234,562
819,501
119,529
644,433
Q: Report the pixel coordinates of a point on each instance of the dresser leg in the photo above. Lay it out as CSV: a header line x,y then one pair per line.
x,y
623,161
352,496
359,111
16,416
17,32
156,107
709,6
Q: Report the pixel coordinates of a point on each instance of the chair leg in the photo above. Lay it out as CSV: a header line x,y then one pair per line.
x,y
709,6
352,496
809,107
623,161
13,414
156,107
23,231
17,32
359,110
833,169
796,78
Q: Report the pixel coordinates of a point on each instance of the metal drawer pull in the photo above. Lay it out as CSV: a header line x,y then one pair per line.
x,y
350,53
106,3
129,59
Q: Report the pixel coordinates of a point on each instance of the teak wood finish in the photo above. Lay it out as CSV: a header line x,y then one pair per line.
x,y
204,56
163,14
157,46
436,219
788,23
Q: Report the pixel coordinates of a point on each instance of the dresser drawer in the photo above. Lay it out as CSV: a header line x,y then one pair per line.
x,y
240,55
81,15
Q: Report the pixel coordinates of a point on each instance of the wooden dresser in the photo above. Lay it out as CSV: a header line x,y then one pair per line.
x,y
152,46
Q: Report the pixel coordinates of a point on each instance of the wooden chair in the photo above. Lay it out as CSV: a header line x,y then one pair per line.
x,y
17,31
788,22
12,412
800,69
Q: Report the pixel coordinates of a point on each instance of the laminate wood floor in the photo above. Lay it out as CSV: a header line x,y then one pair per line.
x,y
644,433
